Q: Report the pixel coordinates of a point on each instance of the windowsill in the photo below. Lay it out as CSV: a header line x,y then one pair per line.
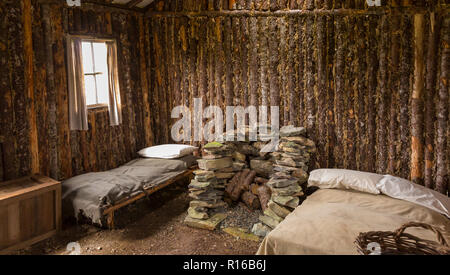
x,y
97,106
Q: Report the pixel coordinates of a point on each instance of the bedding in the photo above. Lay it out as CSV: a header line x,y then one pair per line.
x,y
167,151
89,193
399,188
329,221
345,179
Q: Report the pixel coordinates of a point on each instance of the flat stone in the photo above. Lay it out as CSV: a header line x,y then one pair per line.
x,y
280,183
247,149
273,215
209,224
224,175
213,145
239,156
198,213
241,233
301,175
291,130
287,191
269,221
260,229
262,167
288,201
203,175
214,164
200,184
291,162
206,204
239,166
278,209
291,147
300,141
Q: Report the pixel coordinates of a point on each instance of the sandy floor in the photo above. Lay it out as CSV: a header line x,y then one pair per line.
x,y
153,226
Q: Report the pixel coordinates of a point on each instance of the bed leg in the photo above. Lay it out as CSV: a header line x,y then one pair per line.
x,y
110,220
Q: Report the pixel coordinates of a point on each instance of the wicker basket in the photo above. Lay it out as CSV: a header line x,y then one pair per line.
x,y
401,243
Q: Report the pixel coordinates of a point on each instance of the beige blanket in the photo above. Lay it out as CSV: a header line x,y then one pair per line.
x,y
329,221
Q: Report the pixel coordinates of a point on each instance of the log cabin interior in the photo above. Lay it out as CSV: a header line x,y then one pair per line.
x,y
111,141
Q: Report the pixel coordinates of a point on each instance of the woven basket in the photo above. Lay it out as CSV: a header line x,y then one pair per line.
x,y
401,243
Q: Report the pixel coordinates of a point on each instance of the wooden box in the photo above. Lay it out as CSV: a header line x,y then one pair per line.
x,y
30,211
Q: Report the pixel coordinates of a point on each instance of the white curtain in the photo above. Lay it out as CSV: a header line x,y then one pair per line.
x,y
77,97
115,109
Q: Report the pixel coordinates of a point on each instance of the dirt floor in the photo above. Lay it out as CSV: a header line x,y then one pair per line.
x,y
150,227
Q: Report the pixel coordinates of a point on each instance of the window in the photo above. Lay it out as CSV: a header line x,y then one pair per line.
x,y
95,67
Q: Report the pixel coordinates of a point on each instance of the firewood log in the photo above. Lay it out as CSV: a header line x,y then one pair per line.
x,y
264,196
261,180
237,188
250,200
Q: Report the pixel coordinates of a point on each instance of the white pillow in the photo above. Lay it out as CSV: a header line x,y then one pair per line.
x,y
167,151
406,190
345,179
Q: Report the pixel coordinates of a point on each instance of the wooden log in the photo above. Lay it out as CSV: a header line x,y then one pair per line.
x,y
341,43
250,200
372,66
330,122
254,66
404,154
321,98
264,62
310,72
393,86
232,183
264,195
417,101
260,180
274,62
229,88
291,70
442,158
382,98
300,50
29,84
237,188
430,113
351,141
244,42
144,85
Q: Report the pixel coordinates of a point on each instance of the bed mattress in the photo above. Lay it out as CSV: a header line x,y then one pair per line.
x,y
329,221
88,194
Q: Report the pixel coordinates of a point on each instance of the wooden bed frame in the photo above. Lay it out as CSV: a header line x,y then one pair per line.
x,y
109,210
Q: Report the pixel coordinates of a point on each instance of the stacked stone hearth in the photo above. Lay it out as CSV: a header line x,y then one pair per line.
x,y
238,172
290,173
207,187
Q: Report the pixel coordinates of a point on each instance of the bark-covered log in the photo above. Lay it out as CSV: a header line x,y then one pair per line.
x,y
382,98
264,194
404,98
393,86
250,200
442,158
321,51
417,101
430,111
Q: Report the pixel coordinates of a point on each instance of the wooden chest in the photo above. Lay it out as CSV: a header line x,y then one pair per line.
x,y
30,211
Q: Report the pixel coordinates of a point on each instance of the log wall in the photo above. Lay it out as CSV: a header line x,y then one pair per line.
x,y
369,84
34,97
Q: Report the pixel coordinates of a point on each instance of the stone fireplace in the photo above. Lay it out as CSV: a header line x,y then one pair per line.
x,y
238,173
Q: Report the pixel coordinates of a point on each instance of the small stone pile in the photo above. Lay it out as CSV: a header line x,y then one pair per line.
x,y
207,187
290,172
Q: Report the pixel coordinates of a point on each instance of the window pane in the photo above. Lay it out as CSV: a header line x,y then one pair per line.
x,y
89,84
100,57
102,89
87,58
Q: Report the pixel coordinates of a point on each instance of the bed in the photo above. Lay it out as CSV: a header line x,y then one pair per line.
x,y
96,196
329,221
